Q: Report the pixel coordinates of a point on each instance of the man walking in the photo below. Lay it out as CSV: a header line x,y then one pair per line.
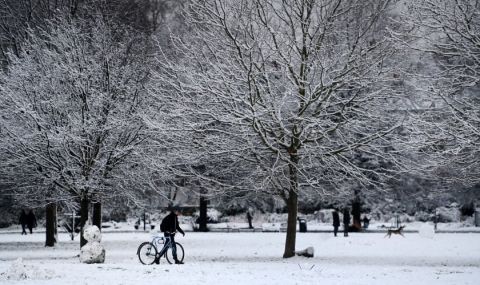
x,y
249,219
23,222
169,226
336,221
31,221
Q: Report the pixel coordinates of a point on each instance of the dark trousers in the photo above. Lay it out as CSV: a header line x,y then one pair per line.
x,y
345,230
24,232
30,229
174,246
335,230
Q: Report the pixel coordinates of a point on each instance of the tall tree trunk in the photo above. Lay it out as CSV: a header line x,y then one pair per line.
x,y
97,215
51,224
202,223
84,204
356,213
292,207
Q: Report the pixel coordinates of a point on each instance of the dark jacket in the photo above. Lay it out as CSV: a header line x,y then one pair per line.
x,y
336,219
170,224
31,220
23,218
346,217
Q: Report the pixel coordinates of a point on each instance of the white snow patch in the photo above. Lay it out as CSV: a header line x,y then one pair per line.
x,y
426,231
271,227
21,271
308,252
256,258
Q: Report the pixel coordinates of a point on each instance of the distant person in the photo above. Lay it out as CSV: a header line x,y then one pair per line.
x,y
31,221
346,222
137,223
23,222
366,222
249,219
169,227
336,222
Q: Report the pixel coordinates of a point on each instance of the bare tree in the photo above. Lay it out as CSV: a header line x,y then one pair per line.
x,y
447,33
71,112
288,91
17,16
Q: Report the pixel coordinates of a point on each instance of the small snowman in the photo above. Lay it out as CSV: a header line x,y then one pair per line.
x,y
93,251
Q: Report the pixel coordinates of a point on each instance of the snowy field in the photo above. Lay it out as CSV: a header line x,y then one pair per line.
x,y
250,258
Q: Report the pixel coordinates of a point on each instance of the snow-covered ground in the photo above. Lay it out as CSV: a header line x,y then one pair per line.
x,y
250,258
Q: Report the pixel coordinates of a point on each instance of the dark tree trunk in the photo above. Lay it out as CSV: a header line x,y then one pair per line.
x,y
51,224
84,204
292,207
357,211
202,220
97,215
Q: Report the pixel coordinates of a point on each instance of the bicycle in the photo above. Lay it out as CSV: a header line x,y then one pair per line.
x,y
148,251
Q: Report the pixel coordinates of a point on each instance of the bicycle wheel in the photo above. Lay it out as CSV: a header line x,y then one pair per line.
x,y
180,253
146,253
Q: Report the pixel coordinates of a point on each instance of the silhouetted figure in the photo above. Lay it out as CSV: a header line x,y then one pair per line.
x,y
346,222
366,222
249,219
31,221
169,226
23,222
336,222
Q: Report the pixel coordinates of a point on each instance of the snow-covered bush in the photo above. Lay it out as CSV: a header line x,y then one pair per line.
x,y
405,218
324,216
423,216
468,221
213,215
276,218
448,214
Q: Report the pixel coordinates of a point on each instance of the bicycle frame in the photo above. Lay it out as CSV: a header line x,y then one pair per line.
x,y
150,252
167,243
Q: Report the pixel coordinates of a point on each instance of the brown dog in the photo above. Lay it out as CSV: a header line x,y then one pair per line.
x,y
395,231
